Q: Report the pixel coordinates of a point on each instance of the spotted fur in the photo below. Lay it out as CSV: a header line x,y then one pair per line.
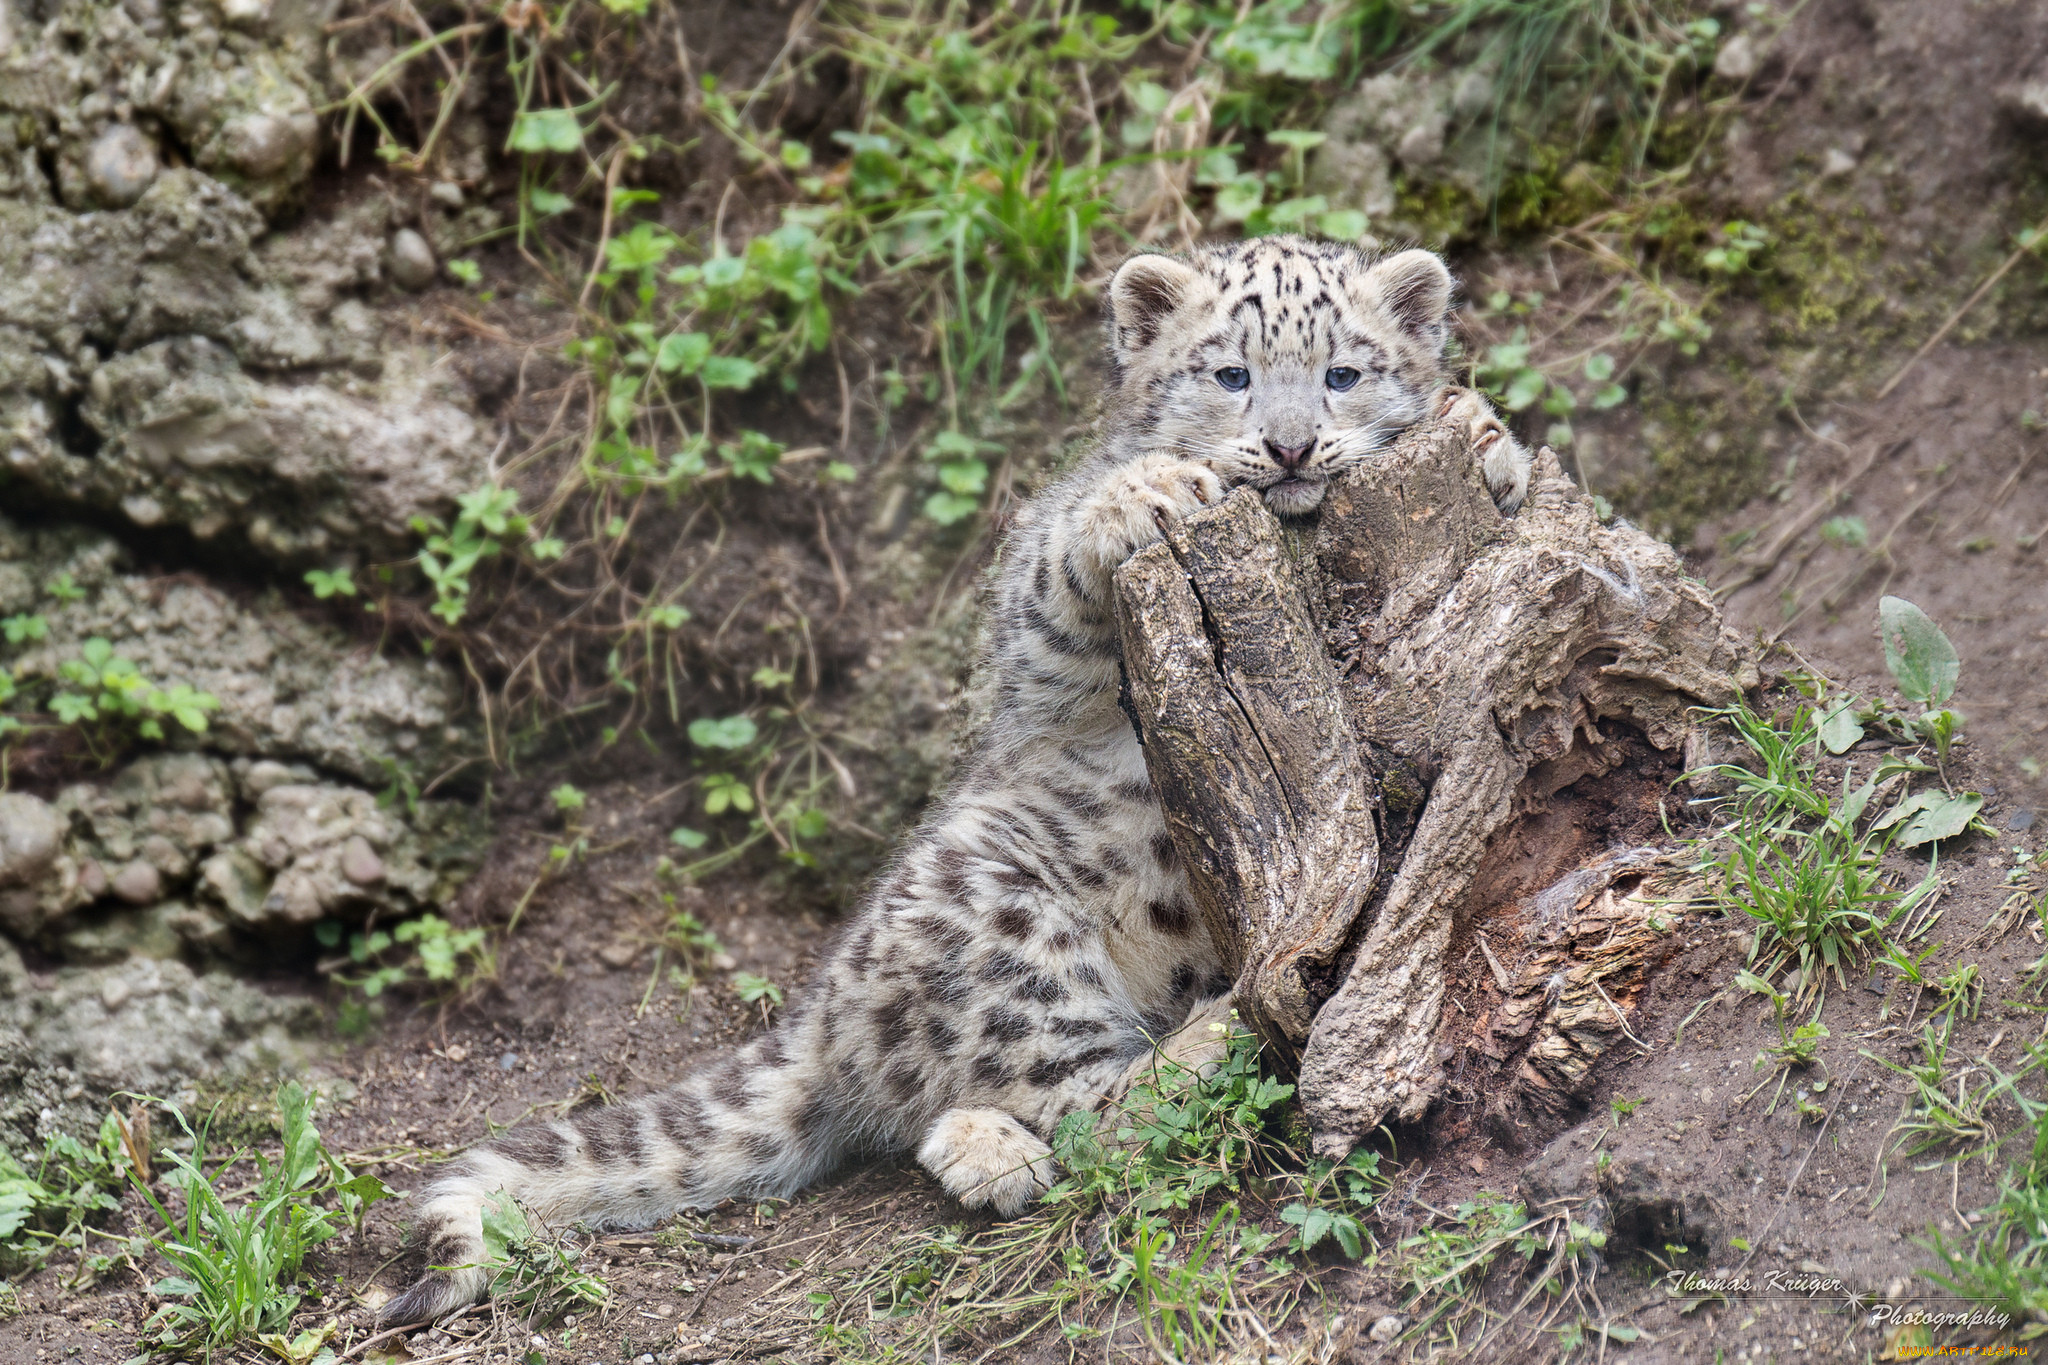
x,y
1034,938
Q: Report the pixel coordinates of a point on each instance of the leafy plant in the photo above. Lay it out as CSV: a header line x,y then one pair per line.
x,y
1925,666
1741,243
757,990
113,692
430,949
74,1185
238,1267
537,1276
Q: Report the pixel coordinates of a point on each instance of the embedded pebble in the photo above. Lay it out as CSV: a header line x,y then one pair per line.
x,y
1737,59
138,883
30,837
1387,1328
120,165
360,863
412,261
263,146
508,1061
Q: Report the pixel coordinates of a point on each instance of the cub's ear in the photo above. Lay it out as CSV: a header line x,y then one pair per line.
x,y
1414,289
1143,294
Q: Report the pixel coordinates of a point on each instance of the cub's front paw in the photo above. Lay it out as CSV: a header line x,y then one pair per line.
x,y
1136,503
1502,459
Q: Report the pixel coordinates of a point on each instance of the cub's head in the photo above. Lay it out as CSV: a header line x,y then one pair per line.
x,y
1276,361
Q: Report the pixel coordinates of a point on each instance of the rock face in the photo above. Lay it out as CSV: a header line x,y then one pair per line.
x,y
37,882
1403,123
189,854
70,1037
142,355
288,689
182,352
162,353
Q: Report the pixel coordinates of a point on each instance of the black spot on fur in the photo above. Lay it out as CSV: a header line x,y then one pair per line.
x,y
611,1135
447,1248
1001,966
1076,1028
1088,976
949,938
1162,850
1183,981
812,1116
1079,802
1055,637
1012,921
904,1083
1171,917
681,1117
950,989
1042,989
942,1036
542,1146
892,1023
991,1070
763,1148
1053,1070
1004,1026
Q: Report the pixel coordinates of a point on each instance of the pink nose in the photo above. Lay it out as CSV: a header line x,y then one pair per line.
x,y
1290,457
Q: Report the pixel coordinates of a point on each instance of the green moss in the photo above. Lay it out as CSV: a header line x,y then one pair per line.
x,y
241,1111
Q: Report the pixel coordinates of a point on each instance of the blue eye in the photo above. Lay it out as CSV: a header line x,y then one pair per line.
x,y
1234,377
1341,377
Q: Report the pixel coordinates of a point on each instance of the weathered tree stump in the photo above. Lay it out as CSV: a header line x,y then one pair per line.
x,y
1359,727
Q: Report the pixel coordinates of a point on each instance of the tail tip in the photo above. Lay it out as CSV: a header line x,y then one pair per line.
x,y
434,1295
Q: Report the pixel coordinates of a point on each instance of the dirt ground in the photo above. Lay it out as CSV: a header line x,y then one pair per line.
x,y
1946,471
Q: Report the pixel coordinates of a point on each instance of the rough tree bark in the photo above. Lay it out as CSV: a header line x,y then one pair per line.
x,y
1298,688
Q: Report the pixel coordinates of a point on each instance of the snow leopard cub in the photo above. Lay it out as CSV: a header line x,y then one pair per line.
x,y
1034,939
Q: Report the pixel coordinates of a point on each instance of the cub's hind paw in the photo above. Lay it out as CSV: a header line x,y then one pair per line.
x,y
985,1158
1502,459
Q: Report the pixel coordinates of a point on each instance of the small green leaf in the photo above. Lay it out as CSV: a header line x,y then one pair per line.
x,y
729,372
1839,729
568,798
682,353
733,732
948,508
1239,199
546,130
684,837
547,203
723,272
1342,225
1921,659
1524,389
965,477
1943,818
